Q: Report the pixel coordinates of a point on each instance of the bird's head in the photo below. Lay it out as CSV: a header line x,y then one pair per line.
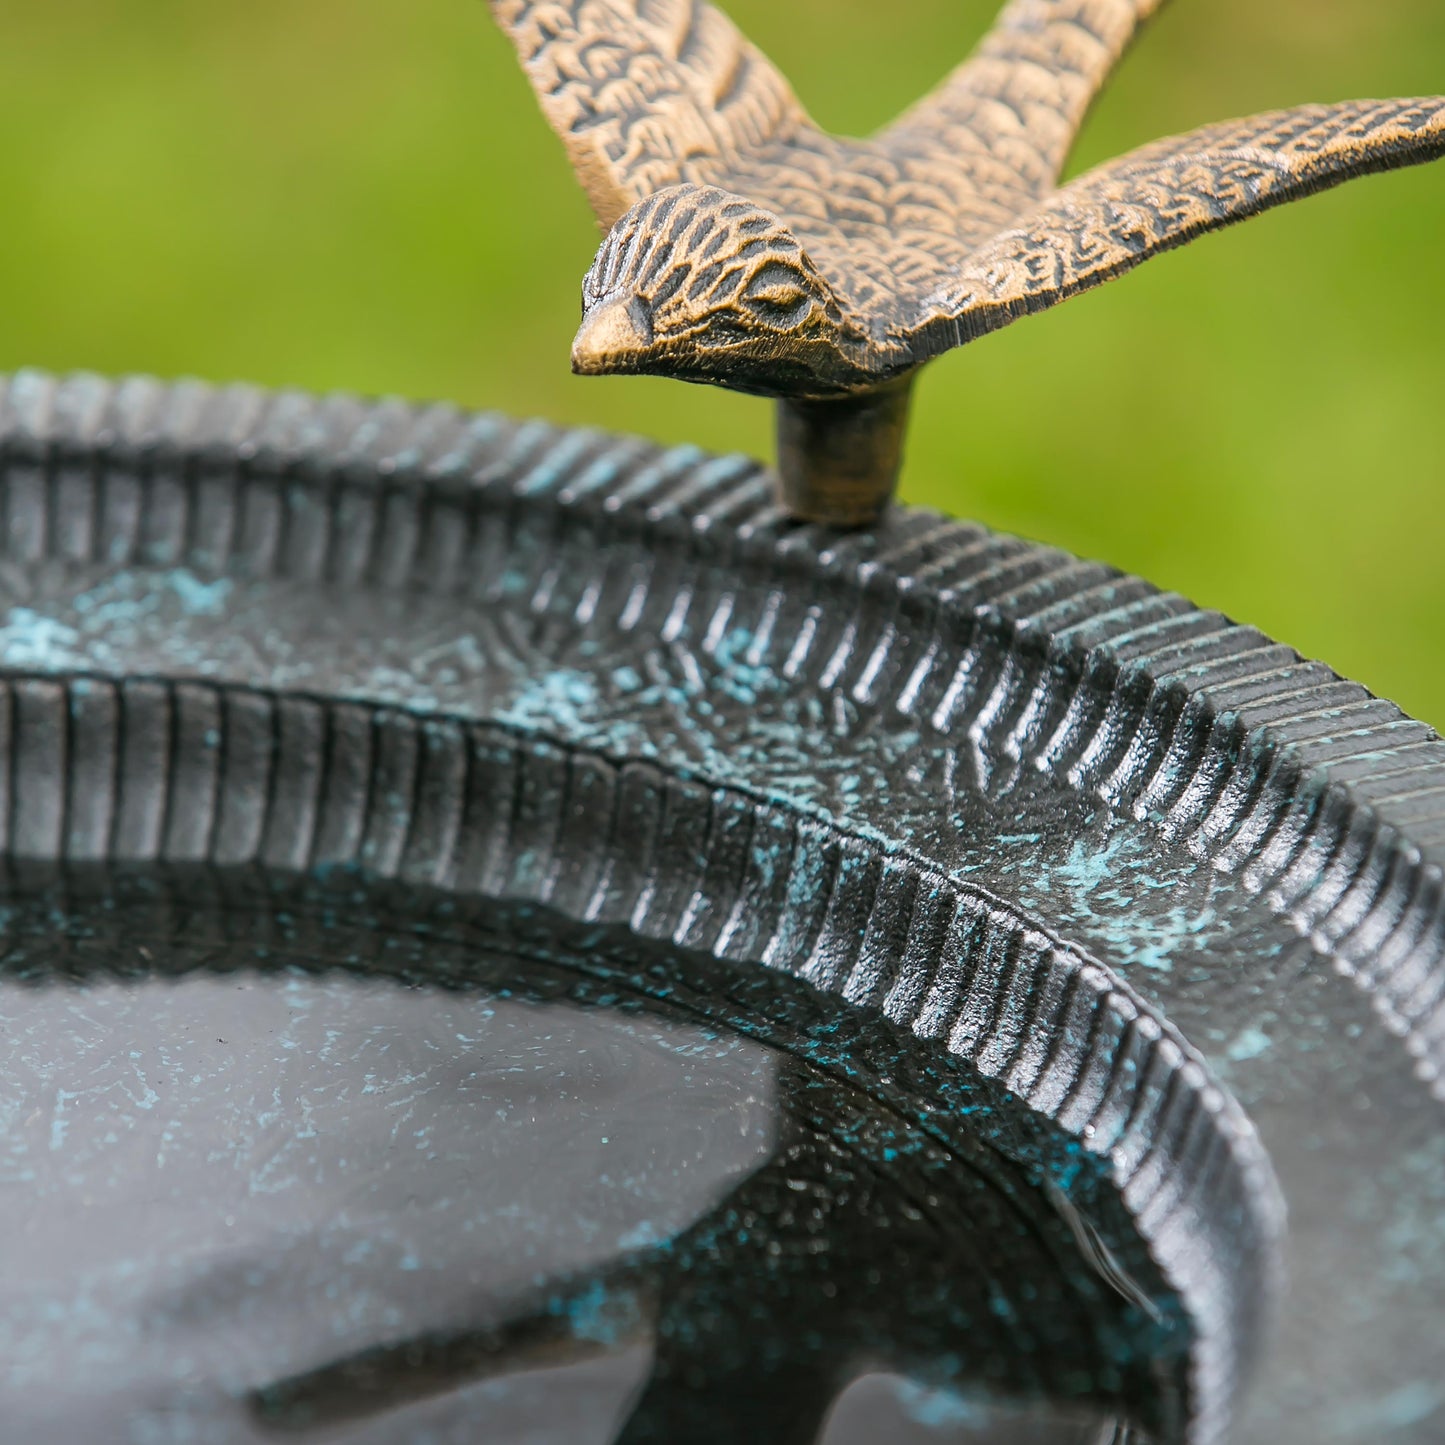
x,y
698,283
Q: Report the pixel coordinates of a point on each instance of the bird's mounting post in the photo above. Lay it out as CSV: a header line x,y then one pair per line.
x,y
838,460
748,248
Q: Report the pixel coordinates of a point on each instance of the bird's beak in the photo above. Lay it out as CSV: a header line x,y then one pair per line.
x,y
608,339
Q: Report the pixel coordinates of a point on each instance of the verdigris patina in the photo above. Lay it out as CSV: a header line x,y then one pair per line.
x,y
912,977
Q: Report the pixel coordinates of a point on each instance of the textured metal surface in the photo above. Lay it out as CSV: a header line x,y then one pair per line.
x,y
1173,889
748,248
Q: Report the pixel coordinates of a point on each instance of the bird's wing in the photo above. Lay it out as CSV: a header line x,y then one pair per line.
x,y
649,93
1164,195
1022,95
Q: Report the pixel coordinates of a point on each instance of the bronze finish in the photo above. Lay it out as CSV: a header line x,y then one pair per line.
x,y
747,248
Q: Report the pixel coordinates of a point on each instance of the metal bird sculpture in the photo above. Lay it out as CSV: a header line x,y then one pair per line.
x,y
748,248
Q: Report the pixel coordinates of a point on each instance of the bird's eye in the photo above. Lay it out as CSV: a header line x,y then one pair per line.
x,y
782,296
779,304
777,296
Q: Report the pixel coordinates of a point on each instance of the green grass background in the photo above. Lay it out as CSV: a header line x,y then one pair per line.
x,y
361,194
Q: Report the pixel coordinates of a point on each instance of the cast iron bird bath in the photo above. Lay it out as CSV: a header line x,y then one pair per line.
x,y
1011,942
509,934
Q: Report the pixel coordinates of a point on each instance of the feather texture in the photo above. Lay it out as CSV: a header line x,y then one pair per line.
x,y
947,224
646,94
1024,93
823,271
1167,193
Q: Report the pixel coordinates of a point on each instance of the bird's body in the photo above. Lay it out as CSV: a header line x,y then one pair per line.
x,y
748,248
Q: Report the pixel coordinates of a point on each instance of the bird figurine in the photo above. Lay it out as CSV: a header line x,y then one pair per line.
x,y
748,248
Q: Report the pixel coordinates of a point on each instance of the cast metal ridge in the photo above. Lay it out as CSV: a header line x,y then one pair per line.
x,y
301,785
1326,799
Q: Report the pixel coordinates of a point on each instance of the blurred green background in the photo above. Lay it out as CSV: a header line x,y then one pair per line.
x,y
361,194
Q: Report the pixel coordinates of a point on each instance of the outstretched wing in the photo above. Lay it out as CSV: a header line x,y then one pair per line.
x,y
1007,117
648,93
1164,195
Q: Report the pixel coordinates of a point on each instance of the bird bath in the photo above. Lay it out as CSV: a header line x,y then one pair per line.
x,y
511,934
507,933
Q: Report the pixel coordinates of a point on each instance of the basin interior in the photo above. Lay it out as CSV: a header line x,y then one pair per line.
x,y
335,1160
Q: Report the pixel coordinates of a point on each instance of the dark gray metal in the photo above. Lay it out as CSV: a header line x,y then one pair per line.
x,y
1115,899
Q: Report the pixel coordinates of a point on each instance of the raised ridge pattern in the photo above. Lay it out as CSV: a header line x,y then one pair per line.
x,y
1325,798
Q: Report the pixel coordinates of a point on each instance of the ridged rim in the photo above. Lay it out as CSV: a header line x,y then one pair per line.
x,y
1327,802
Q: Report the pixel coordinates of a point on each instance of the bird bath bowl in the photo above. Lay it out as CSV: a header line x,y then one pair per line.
x,y
507,937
